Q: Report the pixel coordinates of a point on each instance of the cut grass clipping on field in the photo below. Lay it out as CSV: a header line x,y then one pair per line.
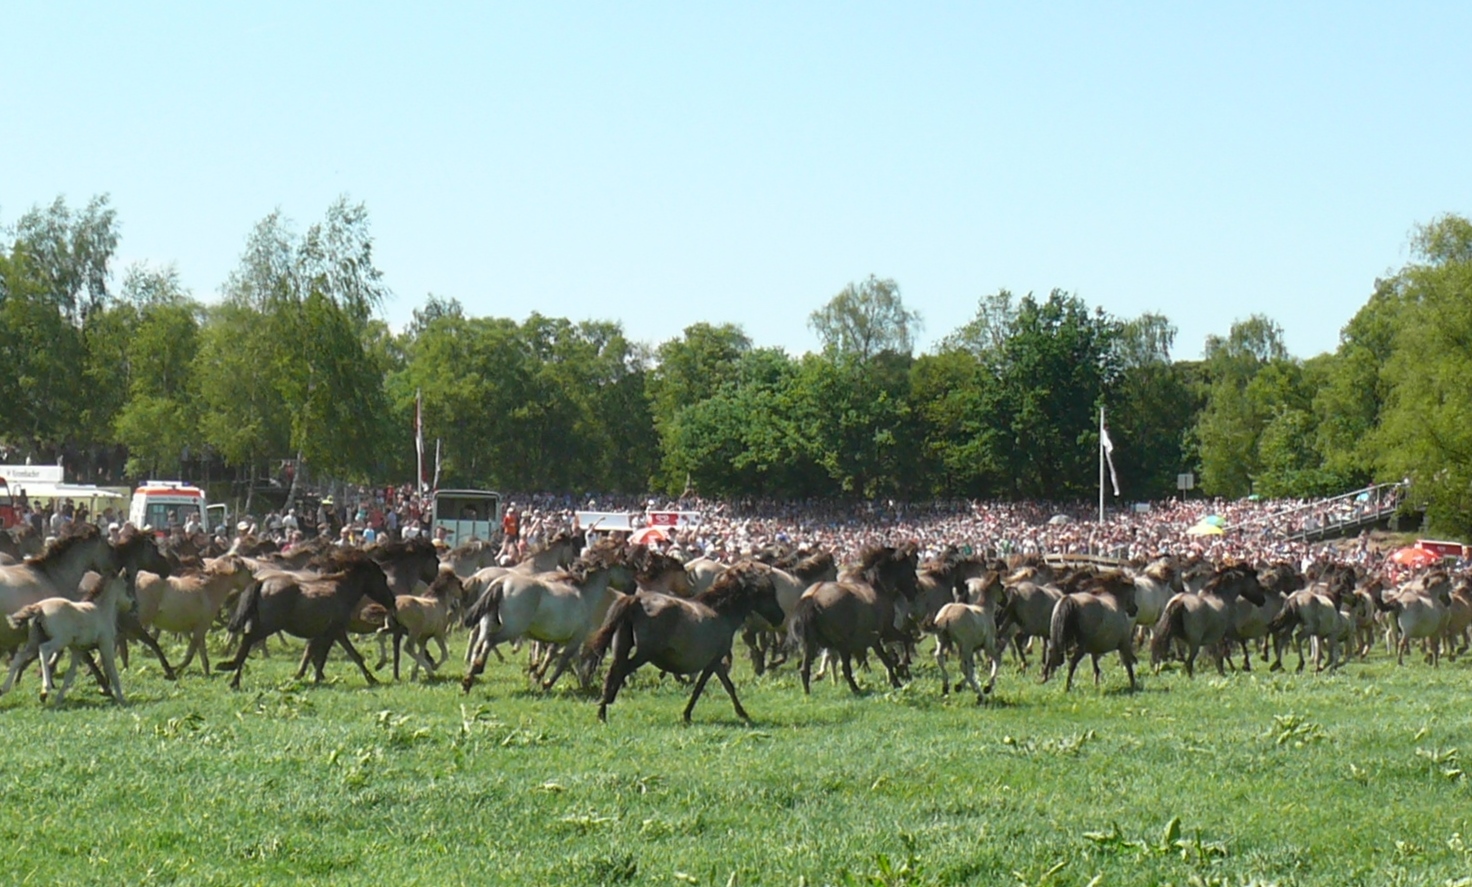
x,y
1355,778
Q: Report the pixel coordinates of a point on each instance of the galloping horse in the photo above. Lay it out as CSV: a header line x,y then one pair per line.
x,y
762,637
1097,620
317,609
856,612
969,625
1205,619
554,608
684,637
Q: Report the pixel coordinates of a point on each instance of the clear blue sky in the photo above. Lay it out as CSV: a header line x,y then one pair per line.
x,y
662,164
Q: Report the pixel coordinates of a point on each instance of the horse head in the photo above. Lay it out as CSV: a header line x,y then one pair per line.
x,y
137,550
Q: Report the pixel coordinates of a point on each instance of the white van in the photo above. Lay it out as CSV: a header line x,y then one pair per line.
x,y
165,504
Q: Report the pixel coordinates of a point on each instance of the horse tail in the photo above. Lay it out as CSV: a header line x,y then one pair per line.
x,y
1170,625
1062,629
488,604
1286,619
801,627
620,613
246,610
21,619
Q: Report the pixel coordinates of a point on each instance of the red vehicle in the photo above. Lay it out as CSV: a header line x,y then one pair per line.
x,y
8,515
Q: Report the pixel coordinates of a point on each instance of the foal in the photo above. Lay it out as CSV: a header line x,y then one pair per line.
x,y
969,626
57,624
425,618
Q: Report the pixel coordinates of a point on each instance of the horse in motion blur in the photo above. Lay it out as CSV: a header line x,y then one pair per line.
x,y
857,612
1098,619
684,636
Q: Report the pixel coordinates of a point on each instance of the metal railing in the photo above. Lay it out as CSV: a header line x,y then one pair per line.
x,y
1368,505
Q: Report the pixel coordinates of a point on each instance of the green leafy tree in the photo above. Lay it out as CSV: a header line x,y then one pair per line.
x,y
1426,423
866,319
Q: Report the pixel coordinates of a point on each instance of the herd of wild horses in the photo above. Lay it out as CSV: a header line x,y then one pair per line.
x,y
580,608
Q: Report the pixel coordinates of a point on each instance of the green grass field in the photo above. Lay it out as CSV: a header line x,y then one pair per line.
x,y
1287,779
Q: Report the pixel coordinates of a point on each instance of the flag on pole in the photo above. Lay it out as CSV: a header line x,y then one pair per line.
x,y
435,484
419,440
1108,446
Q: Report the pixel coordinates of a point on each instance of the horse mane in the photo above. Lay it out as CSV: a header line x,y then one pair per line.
x,y
809,569
1162,571
397,549
94,585
443,581
78,534
737,583
648,563
338,559
464,549
872,557
603,556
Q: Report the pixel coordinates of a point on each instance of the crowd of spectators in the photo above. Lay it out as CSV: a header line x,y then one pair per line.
x,y
727,530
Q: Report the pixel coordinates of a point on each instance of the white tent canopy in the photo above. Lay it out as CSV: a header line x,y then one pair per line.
x,y
52,491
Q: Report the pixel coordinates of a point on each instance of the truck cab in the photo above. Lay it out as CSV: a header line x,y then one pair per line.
x,y
165,504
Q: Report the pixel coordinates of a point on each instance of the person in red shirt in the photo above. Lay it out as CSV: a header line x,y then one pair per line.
x,y
511,531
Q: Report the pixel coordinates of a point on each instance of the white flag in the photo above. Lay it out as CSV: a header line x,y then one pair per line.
x,y
1108,445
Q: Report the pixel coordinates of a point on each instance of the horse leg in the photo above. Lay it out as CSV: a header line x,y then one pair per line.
x,y
848,673
48,652
1017,641
1073,661
568,651
995,655
891,664
699,688
622,666
188,654
1217,653
129,626
22,658
968,668
483,643
807,668
1098,675
110,667
97,674
301,669
754,649
940,664
66,682
353,654
1127,656
1191,660
722,673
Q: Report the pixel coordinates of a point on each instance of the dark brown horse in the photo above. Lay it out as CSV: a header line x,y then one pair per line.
x,y
857,612
407,563
317,609
684,636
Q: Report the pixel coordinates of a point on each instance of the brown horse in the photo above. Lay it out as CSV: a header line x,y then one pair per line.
x,y
1096,620
763,639
855,613
316,609
1205,619
407,563
684,637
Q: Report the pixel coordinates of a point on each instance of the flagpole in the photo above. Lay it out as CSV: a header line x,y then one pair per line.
x,y
1101,463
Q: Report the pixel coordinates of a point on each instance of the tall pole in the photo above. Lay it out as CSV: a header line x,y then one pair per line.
x,y
1101,464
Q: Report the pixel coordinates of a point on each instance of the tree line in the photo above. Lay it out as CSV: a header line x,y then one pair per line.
x,y
130,375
